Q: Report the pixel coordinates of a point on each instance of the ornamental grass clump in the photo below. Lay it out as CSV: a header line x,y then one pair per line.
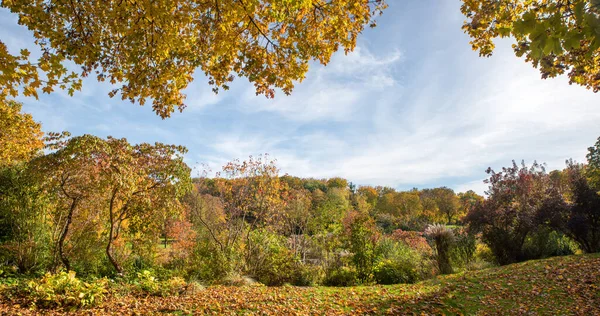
x,y
443,239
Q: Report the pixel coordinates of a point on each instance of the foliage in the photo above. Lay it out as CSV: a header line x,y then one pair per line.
x,y
593,165
396,263
146,282
443,240
412,239
362,237
579,218
544,243
508,215
464,247
24,229
561,285
555,36
21,136
341,275
269,261
62,290
154,48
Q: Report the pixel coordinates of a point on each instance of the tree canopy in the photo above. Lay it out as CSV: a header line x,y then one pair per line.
x,y
556,36
20,135
153,48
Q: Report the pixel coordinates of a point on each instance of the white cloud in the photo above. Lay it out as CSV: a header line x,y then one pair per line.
x,y
333,92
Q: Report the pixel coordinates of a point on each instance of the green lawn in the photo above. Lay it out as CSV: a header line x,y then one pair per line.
x,y
560,285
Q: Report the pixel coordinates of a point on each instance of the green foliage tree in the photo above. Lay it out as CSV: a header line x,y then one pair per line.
x,y
555,36
578,218
593,167
24,219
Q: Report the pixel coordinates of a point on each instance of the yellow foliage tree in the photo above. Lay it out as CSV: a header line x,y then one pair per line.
x,y
153,48
20,135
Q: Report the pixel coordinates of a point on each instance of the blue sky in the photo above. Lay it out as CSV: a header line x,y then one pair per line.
x,y
413,106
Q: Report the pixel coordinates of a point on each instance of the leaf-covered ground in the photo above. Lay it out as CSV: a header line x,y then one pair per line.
x,y
561,285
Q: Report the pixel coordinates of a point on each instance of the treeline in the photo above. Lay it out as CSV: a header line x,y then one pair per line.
x,y
105,207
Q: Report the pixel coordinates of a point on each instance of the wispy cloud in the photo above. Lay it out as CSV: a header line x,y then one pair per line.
x,y
411,106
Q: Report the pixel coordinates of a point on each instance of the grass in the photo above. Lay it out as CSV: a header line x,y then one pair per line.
x,y
556,286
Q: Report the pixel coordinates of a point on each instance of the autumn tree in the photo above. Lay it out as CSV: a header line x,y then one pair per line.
x,y
555,36
74,174
20,135
153,48
447,203
508,215
143,182
467,201
248,195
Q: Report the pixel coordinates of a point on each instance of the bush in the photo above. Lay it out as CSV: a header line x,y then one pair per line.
x,y
59,290
463,250
483,253
208,264
397,263
307,275
146,282
270,261
388,271
340,276
546,243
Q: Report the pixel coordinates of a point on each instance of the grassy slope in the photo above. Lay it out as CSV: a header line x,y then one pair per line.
x,y
561,285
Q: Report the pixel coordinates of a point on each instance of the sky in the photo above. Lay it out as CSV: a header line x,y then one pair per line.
x,y
412,106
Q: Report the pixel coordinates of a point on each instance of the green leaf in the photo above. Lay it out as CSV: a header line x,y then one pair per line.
x,y
579,7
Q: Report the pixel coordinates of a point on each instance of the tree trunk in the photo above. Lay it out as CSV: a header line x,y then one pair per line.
x,y
63,235
110,234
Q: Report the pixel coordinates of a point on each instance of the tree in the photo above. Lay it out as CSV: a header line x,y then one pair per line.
x,y
579,218
143,182
509,214
556,36
20,135
153,48
447,203
248,196
73,173
25,239
593,168
467,201
361,236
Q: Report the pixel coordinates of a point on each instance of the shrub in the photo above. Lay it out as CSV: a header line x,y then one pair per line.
x,y
397,263
413,239
307,275
236,279
545,243
463,250
340,276
208,264
269,260
146,282
60,290
483,253
443,239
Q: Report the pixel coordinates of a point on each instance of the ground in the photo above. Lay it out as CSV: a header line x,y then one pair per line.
x,y
560,285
